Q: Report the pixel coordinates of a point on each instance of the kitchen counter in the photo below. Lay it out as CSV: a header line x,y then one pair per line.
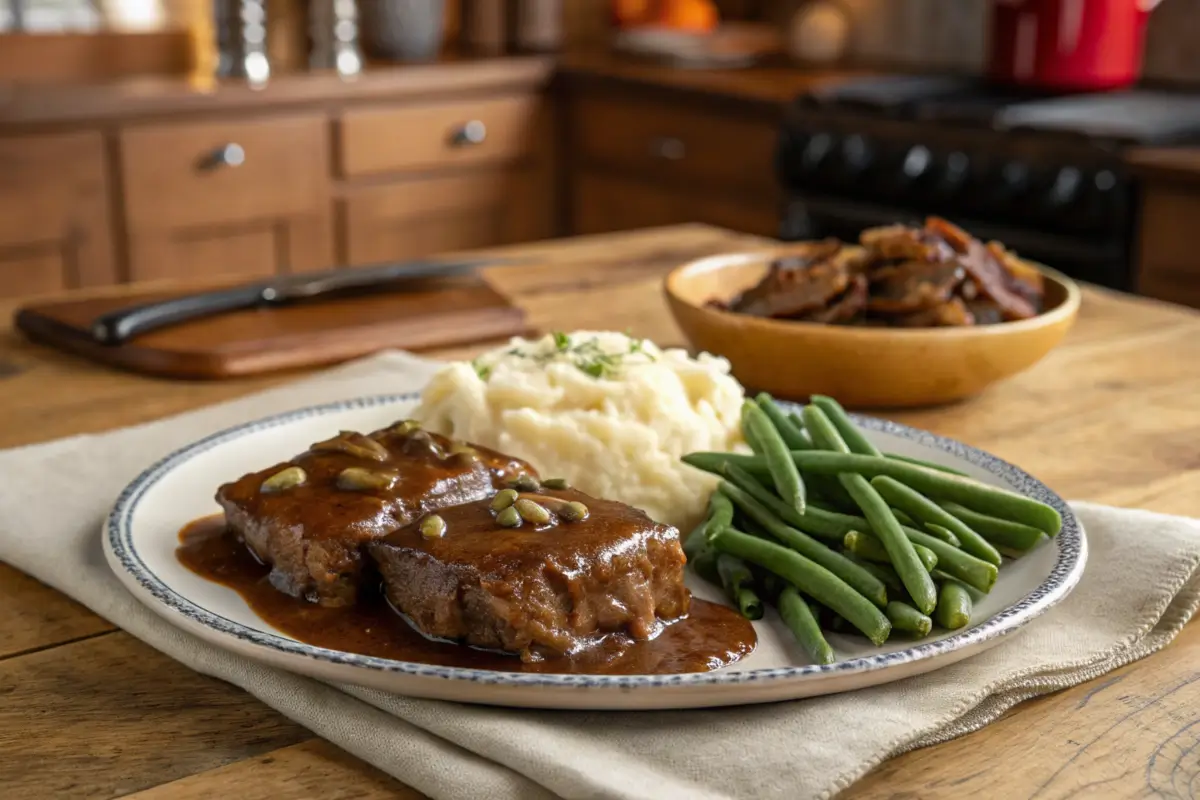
x,y
76,103
771,86
53,104
1110,416
1181,164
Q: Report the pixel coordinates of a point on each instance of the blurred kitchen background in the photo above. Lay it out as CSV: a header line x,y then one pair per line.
x,y
145,140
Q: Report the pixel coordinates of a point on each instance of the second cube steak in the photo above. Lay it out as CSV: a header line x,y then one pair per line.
x,y
308,518
539,589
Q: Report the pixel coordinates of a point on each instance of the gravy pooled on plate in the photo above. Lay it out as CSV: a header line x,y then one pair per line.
x,y
407,545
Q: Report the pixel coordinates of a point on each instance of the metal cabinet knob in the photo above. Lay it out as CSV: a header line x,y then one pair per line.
x,y
227,155
473,132
668,147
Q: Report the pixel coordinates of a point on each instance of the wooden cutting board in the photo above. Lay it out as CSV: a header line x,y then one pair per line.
x,y
422,315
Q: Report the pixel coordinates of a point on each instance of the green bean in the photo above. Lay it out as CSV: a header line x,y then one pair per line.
x,y
953,607
783,471
863,581
814,580
930,513
920,462
900,550
784,474
942,486
720,514
940,577
705,564
945,535
751,438
902,518
803,624
828,487
884,572
818,522
974,572
999,532
864,545
793,437
854,438
715,462
739,585
694,541
906,618
799,423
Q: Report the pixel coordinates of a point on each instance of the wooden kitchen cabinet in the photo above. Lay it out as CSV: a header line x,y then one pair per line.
x,y
415,218
1166,265
54,214
130,181
439,136
1167,268
640,161
602,204
247,197
688,145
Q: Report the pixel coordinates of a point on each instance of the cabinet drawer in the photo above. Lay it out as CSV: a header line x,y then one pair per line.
x,y
603,204
678,143
434,136
1167,268
410,219
176,177
54,213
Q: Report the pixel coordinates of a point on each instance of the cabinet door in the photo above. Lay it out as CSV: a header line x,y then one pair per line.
x,y
686,145
1167,268
601,204
411,219
439,136
246,197
54,214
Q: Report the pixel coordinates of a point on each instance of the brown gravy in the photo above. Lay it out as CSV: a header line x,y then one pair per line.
x,y
710,637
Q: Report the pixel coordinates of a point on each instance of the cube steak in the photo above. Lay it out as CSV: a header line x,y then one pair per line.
x,y
355,488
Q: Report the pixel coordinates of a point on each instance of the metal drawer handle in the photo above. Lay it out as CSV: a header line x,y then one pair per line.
x,y
473,132
227,155
668,147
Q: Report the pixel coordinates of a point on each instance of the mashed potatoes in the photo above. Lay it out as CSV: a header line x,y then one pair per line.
x,y
609,413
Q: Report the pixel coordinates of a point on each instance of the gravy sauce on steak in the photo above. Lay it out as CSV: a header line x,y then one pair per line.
x,y
711,636
541,589
406,545
308,518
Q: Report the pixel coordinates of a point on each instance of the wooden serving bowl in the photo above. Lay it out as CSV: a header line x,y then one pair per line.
x,y
861,367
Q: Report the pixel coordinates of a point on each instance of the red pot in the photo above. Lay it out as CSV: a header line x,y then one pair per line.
x,y
1068,45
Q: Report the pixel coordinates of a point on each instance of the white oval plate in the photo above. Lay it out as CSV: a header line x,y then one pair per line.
x,y
141,535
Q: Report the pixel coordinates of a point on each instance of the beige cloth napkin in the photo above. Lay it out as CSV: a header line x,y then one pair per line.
x,y
1140,587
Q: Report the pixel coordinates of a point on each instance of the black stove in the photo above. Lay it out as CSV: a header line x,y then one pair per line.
x,y
1044,174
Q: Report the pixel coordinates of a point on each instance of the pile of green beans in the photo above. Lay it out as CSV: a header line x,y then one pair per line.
x,y
842,537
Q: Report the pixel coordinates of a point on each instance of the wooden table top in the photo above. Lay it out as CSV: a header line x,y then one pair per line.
x,y
1109,416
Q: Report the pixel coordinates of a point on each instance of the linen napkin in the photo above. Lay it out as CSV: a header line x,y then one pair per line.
x,y
1140,587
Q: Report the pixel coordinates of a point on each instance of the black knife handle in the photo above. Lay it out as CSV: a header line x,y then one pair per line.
x,y
122,325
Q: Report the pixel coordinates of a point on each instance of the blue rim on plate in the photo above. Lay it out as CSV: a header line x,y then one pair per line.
x,y
1065,574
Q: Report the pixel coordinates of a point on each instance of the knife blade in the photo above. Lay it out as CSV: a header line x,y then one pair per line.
x,y
117,327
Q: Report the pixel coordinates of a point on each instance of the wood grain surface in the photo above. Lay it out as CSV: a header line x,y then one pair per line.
x,y
1110,416
165,95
